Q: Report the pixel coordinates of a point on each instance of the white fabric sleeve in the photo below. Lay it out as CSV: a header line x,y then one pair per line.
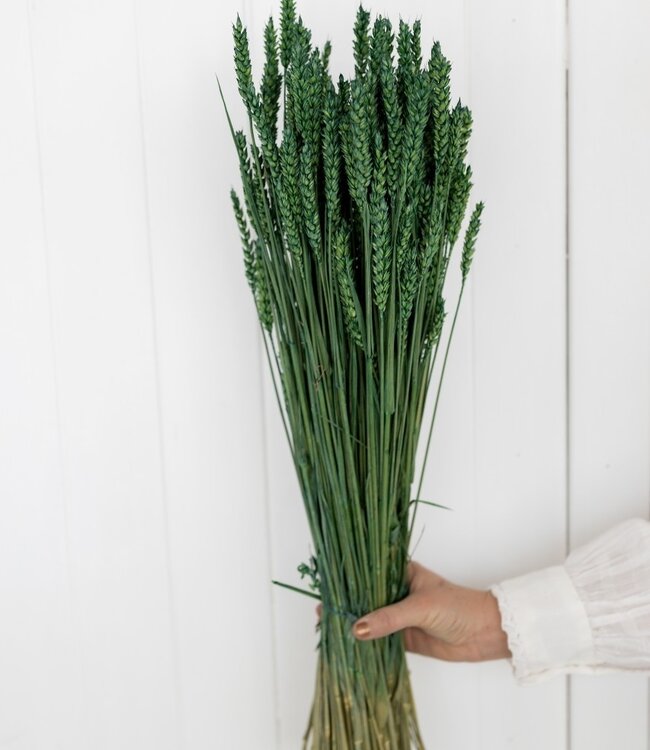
x,y
589,615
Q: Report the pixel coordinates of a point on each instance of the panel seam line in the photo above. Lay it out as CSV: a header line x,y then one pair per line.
x,y
173,624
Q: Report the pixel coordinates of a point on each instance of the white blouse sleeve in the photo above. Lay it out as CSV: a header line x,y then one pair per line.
x,y
589,615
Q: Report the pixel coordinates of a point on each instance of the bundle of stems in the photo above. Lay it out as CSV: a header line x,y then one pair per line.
x,y
348,221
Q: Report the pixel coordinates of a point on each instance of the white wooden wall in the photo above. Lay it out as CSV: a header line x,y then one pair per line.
x,y
146,492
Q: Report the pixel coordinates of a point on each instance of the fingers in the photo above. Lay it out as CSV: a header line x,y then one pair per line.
x,y
387,620
390,619
418,642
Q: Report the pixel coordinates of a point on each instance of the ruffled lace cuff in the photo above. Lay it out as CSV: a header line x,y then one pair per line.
x,y
590,615
546,624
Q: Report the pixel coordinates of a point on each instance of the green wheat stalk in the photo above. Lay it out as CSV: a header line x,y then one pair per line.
x,y
353,195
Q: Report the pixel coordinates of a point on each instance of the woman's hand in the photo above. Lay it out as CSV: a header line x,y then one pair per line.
x,y
440,619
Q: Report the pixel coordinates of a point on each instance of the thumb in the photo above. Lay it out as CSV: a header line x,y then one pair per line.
x,y
386,620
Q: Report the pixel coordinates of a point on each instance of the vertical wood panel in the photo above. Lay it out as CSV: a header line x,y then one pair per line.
x,y
86,88
517,96
209,375
40,681
610,316
508,452
444,540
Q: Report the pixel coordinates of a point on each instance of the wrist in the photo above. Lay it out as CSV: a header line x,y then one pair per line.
x,y
491,638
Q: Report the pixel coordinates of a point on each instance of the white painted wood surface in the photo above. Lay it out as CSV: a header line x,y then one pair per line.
x,y
209,380
146,490
609,310
87,127
516,95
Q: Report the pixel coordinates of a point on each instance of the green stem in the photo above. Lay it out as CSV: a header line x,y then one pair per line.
x,y
435,406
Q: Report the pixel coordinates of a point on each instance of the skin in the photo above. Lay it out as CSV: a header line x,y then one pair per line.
x,y
440,619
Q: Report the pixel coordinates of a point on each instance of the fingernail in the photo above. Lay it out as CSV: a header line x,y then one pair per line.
x,y
361,629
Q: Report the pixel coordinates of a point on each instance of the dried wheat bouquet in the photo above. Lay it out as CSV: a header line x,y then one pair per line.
x,y
349,214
